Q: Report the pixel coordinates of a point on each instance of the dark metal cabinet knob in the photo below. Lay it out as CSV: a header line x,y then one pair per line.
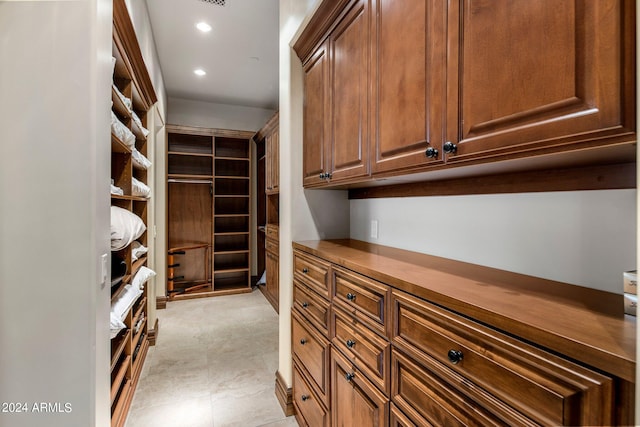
x,y
305,304
431,153
450,147
305,270
328,175
350,343
323,175
303,341
350,376
351,297
304,397
455,356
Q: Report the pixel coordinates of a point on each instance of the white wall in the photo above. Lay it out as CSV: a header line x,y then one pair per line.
x,y
54,210
188,112
585,238
142,24
304,214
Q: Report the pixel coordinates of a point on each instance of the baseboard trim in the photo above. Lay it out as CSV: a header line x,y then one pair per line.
x,y
153,333
161,302
284,395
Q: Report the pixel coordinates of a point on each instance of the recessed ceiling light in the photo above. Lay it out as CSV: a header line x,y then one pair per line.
x,y
199,72
203,26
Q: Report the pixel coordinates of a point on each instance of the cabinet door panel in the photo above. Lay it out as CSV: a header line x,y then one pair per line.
x,y
273,279
355,401
349,95
536,75
409,87
316,117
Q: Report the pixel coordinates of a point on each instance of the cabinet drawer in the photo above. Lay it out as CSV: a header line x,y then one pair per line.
x,y
311,351
544,387
368,351
427,400
312,271
398,419
364,298
272,231
272,246
309,411
313,307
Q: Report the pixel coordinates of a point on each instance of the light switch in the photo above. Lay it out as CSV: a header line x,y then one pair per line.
x,y
374,228
104,259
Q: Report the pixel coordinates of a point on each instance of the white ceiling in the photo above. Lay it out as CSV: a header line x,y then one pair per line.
x,y
240,53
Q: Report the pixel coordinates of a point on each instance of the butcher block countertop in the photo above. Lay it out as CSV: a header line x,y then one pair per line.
x,y
584,324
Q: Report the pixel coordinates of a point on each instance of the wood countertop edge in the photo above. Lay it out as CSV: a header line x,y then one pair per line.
x,y
617,358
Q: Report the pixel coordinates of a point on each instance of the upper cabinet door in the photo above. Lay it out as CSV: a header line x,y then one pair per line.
x,y
409,86
535,76
349,59
316,117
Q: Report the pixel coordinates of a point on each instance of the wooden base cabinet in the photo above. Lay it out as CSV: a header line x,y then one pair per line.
x,y
408,345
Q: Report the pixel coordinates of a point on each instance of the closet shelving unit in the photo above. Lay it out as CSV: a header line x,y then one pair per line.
x,y
208,209
268,207
129,347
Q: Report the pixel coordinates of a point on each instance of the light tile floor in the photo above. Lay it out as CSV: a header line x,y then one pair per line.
x,y
213,365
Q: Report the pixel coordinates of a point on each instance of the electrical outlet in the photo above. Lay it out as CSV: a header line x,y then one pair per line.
x,y
374,228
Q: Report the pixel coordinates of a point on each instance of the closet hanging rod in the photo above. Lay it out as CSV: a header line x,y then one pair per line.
x,y
190,181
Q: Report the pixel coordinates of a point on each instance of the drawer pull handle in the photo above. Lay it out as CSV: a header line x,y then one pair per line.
x,y
349,376
455,356
305,304
431,153
305,270
351,297
303,341
350,343
304,397
449,147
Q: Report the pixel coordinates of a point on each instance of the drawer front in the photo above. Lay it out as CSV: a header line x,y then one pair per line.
x,y
365,298
546,388
272,231
368,351
272,246
427,400
312,271
312,306
311,351
307,405
398,419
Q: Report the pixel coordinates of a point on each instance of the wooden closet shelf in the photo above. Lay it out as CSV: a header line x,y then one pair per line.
x,y
189,154
132,198
231,177
243,251
137,264
117,382
230,270
118,106
231,233
241,159
187,176
137,131
118,146
118,344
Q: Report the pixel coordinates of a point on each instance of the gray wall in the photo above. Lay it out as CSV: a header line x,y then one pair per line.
x,y
586,238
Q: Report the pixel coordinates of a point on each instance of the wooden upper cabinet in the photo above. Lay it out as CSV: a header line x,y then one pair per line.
x,y
408,75
336,103
316,117
530,77
349,64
